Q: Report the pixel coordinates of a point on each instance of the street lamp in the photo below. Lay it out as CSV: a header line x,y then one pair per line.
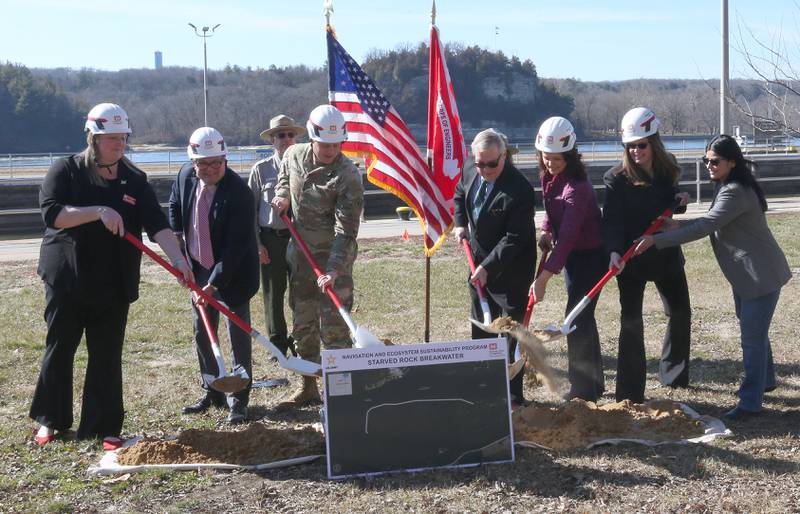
x,y
205,35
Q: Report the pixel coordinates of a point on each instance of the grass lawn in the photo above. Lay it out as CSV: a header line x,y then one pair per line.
x,y
757,469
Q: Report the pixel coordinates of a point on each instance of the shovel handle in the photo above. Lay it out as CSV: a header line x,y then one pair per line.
x,y
212,335
654,225
311,260
531,302
472,267
192,285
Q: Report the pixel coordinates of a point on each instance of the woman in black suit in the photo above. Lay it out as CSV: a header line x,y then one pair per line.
x,y
91,276
638,190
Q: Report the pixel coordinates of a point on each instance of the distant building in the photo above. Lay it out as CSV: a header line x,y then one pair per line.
x,y
159,60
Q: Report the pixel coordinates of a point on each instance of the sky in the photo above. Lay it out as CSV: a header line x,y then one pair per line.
x,y
584,39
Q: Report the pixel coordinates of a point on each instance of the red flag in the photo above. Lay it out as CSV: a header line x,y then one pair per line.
x,y
446,150
376,132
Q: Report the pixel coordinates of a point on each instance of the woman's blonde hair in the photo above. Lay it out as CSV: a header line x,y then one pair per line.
x,y
89,157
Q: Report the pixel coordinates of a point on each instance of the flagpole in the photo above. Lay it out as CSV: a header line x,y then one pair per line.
x,y
427,336
327,9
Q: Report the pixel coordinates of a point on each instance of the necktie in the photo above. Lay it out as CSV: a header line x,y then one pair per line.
x,y
479,199
203,207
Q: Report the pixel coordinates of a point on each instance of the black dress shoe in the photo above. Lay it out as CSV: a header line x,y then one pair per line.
x,y
739,414
237,414
203,404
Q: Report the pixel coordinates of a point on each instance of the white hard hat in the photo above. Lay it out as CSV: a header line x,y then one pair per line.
x,y
556,135
639,123
326,125
108,118
206,142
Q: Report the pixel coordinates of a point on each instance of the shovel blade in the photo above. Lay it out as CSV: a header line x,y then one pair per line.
x,y
484,326
514,369
364,338
304,367
229,384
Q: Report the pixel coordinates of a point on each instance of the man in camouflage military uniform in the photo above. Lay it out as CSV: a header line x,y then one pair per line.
x,y
326,196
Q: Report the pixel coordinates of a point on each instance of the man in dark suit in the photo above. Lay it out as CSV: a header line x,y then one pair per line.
x,y
494,208
212,209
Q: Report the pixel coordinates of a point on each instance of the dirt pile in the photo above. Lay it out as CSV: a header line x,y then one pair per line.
x,y
579,423
257,444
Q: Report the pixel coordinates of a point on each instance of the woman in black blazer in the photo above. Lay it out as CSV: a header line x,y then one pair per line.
x,y
91,275
638,190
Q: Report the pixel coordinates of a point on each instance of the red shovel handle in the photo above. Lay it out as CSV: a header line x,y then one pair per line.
x,y
310,258
212,335
471,261
531,302
192,285
655,225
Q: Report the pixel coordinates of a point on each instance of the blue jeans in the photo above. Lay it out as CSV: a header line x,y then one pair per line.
x,y
755,316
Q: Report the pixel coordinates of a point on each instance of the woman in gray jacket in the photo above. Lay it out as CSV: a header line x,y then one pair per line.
x,y
749,257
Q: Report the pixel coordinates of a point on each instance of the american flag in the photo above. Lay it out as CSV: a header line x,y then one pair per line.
x,y
376,132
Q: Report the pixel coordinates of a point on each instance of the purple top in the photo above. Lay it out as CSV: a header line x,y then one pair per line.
x,y
571,216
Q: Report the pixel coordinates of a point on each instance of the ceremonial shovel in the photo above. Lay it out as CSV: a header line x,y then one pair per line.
x,y
487,314
567,326
222,382
362,337
291,363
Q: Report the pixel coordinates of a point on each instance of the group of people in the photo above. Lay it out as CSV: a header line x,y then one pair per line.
x,y
219,231
494,210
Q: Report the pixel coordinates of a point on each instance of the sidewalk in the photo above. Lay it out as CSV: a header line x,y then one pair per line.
x,y
27,249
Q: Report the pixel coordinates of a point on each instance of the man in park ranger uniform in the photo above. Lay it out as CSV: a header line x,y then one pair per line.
x,y
323,189
272,234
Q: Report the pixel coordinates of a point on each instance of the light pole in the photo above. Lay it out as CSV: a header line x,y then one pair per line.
x,y
205,35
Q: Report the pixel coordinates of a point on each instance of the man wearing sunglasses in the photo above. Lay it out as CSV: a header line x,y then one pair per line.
x,y
212,209
494,209
271,232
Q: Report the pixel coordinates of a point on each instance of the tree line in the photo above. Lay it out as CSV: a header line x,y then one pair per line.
x,y
42,109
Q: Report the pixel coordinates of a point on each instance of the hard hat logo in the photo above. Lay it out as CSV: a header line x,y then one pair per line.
x,y
646,124
565,141
117,118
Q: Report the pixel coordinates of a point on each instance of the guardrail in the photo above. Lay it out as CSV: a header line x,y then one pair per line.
x,y
169,161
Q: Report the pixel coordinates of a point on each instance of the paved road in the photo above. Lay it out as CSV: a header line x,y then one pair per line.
x,y
27,249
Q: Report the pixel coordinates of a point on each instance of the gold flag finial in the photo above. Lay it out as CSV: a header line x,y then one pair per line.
x,y
433,13
327,9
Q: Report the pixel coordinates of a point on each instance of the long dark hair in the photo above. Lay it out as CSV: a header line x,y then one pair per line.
x,y
575,167
664,166
743,169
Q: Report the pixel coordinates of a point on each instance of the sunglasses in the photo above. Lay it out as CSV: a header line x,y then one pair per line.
x,y
204,165
491,164
640,146
710,162
284,135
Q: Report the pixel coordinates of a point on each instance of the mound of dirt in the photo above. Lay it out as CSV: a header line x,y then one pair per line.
x,y
578,423
257,444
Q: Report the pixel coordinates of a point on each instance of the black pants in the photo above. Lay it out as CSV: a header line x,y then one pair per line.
x,y
673,368
582,271
515,310
274,277
241,343
67,317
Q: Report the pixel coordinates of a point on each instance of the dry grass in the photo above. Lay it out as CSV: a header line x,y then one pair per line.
x,y
758,469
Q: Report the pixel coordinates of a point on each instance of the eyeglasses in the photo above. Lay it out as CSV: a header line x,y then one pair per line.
x,y
491,164
711,162
204,165
284,135
640,146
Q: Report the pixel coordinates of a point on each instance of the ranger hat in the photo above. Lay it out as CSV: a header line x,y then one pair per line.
x,y
282,123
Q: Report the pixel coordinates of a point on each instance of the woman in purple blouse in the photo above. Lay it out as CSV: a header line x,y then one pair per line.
x,y
571,232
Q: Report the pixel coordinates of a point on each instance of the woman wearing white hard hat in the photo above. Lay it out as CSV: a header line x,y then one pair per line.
x,y
91,276
571,233
637,191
